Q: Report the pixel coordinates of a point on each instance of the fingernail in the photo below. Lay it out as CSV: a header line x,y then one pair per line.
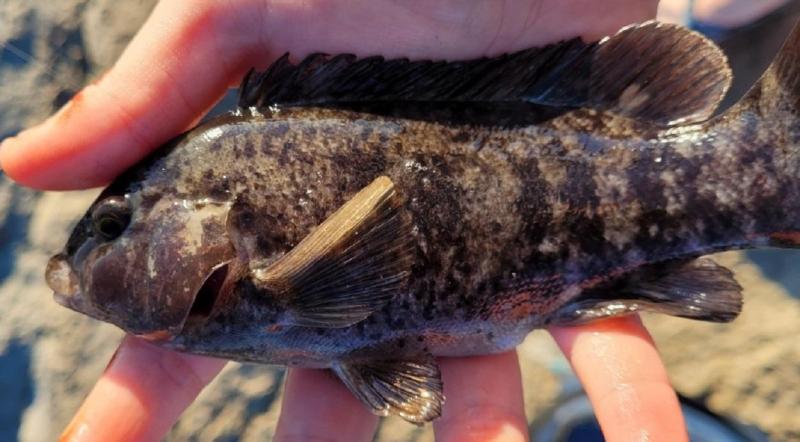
x,y
75,432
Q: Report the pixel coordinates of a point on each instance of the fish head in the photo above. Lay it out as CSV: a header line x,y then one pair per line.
x,y
140,257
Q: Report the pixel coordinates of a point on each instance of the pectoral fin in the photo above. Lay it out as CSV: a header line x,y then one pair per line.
x,y
697,289
410,389
350,266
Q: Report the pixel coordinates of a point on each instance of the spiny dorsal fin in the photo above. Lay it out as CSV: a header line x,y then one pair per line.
x,y
410,389
665,74
320,78
349,266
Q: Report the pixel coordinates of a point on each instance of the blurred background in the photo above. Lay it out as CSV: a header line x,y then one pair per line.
x,y
741,381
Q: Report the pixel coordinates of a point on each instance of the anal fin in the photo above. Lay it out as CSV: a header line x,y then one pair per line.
x,y
697,289
407,388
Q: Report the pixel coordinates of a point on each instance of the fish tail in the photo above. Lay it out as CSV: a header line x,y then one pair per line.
x,y
765,127
779,87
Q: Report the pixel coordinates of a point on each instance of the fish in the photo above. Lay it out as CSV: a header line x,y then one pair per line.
x,y
368,215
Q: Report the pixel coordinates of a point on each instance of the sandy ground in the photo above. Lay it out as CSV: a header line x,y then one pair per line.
x,y
49,356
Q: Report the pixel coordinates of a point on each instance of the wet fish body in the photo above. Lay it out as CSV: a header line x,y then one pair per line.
x,y
333,221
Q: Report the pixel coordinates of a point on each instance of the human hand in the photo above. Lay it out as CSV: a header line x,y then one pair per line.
x,y
193,51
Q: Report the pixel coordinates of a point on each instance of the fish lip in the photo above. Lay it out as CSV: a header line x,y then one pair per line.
x,y
70,301
61,277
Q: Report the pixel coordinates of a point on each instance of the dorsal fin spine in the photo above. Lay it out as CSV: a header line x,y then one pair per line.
x,y
629,74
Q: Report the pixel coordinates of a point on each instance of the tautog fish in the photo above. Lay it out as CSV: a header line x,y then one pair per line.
x,y
367,215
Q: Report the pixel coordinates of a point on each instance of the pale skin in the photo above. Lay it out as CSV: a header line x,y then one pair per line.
x,y
181,62
725,13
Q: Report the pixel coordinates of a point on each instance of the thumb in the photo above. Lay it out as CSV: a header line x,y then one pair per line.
x,y
177,66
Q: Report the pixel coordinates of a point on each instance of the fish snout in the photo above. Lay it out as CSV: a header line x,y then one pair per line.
x,y
61,277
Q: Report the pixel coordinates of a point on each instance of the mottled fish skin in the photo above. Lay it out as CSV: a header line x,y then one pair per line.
x,y
485,210
509,224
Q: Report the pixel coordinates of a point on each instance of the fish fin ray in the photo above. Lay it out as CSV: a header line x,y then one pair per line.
x,y
658,72
350,266
779,87
696,289
344,78
412,389
634,73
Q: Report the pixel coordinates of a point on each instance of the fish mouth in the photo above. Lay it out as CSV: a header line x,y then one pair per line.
x,y
64,282
60,276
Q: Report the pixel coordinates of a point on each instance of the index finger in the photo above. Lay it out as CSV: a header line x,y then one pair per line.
x,y
627,384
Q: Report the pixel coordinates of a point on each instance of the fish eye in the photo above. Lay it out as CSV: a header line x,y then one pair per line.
x,y
111,217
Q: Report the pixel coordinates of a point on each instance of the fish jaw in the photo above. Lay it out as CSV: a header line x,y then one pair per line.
x,y
65,283
64,278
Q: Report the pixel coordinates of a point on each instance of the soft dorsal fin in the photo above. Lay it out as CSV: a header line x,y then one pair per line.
x,y
659,72
655,72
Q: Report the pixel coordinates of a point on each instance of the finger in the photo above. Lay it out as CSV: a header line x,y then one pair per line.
x,y
627,384
178,65
317,406
483,400
141,394
451,29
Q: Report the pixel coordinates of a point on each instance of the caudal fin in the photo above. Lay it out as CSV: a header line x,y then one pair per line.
x,y
779,87
765,124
